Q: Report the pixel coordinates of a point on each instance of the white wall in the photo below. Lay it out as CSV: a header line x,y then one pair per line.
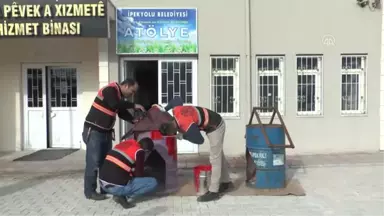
x,y
15,52
382,85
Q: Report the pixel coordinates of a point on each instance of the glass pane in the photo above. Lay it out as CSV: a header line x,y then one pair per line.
x,y
177,83
351,62
189,82
170,71
219,95
213,62
223,98
268,91
306,93
350,92
231,64
225,64
163,82
189,99
164,100
182,71
170,91
189,65
35,87
63,89
182,92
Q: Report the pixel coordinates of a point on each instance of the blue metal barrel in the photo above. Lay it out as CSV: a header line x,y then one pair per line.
x,y
269,161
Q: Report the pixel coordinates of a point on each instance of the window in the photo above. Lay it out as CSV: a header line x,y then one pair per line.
x,y
270,70
35,87
176,81
309,85
225,85
353,84
63,87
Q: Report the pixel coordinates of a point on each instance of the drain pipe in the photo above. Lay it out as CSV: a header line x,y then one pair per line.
x,y
248,55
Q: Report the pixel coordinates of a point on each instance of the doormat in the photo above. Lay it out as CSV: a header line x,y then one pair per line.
x,y
47,155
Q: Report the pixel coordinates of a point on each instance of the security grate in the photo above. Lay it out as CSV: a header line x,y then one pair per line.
x,y
176,80
225,85
63,87
309,85
270,71
353,84
35,87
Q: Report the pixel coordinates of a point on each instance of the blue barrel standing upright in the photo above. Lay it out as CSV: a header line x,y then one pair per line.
x,y
265,149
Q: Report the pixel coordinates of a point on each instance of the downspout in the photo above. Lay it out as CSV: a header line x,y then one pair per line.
x,y
381,81
248,56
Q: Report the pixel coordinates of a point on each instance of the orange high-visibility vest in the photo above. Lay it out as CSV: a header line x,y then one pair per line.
x,y
128,149
101,97
185,116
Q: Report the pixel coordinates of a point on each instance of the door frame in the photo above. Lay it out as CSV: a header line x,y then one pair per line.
x,y
24,104
158,59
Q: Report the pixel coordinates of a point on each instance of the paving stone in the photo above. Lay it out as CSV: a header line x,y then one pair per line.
x,y
352,185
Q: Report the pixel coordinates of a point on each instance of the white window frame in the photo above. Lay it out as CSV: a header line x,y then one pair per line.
x,y
280,79
362,72
236,93
318,73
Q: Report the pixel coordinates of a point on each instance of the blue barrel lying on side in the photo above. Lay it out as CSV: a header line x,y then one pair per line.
x,y
269,162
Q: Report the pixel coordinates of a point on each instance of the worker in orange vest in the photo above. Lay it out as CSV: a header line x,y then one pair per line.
x,y
187,123
98,130
122,171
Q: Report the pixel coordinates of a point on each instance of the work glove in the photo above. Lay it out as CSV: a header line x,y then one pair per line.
x,y
179,136
140,107
159,107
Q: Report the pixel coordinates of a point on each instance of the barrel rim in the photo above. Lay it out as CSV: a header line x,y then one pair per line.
x,y
265,125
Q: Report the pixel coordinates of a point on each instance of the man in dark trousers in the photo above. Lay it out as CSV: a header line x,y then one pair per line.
x,y
98,130
188,121
123,169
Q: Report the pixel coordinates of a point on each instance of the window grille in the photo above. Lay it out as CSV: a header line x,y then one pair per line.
x,y
270,71
353,84
225,85
309,85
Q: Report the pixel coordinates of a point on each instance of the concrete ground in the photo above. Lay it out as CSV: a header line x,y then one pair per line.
x,y
344,184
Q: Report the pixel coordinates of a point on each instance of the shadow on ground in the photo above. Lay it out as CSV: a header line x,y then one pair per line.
x,y
29,182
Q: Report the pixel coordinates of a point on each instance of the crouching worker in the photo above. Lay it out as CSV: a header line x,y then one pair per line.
x,y
189,121
122,172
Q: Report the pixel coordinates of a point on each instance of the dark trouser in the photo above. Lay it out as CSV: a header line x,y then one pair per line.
x,y
98,145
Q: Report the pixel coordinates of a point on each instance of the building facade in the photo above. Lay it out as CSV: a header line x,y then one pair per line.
x,y
321,70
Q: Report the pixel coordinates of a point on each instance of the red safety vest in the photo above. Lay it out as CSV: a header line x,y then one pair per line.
x,y
101,97
185,116
128,149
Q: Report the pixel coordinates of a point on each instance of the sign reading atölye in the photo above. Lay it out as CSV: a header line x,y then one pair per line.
x,y
47,18
156,31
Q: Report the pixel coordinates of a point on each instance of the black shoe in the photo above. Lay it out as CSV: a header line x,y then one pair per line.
x,y
225,187
209,196
123,202
96,196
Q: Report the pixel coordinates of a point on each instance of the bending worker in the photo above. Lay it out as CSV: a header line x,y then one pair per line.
x,y
98,130
122,171
189,121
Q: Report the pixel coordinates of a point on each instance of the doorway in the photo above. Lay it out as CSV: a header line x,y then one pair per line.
x,y
145,73
160,80
50,107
